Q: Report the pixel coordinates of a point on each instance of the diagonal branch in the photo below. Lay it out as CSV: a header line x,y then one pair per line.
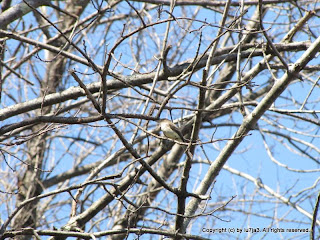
x,y
249,122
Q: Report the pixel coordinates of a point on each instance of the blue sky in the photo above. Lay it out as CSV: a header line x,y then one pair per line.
x,y
250,157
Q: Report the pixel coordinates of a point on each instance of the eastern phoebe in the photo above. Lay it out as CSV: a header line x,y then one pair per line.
x,y
170,130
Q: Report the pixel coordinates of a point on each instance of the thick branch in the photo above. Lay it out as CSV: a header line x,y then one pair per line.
x,y
249,122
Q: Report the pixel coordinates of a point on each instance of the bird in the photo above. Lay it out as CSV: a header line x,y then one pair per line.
x,y
170,130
